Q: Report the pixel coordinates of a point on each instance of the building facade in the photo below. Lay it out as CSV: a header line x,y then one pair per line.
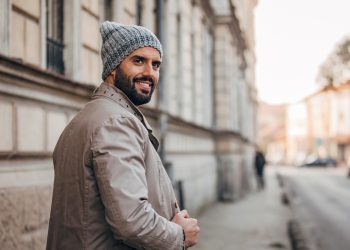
x,y
320,125
297,133
204,111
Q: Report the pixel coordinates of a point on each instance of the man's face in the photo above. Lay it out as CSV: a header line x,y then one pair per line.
x,y
138,74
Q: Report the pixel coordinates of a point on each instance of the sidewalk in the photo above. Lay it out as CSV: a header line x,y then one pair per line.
x,y
257,222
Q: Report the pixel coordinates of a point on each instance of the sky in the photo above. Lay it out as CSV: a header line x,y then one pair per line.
x,y
293,37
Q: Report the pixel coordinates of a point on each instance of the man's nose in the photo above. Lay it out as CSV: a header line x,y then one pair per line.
x,y
148,70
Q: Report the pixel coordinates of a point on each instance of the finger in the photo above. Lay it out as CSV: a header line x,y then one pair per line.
x,y
177,218
185,214
194,220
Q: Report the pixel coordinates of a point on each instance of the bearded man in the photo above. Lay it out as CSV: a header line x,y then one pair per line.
x,y
111,190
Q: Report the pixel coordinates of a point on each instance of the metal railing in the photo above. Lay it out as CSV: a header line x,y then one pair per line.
x,y
54,56
177,184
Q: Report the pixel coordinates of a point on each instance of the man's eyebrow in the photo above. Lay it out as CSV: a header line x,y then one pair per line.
x,y
138,57
143,58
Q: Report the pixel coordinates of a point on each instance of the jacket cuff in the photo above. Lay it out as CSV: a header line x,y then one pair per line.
x,y
180,238
183,239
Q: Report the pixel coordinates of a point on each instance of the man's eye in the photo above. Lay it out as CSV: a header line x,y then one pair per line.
x,y
138,61
156,65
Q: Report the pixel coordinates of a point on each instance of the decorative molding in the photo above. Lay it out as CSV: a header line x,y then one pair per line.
x,y
19,70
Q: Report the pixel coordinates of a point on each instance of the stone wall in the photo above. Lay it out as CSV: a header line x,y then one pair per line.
x,y
25,200
193,158
24,217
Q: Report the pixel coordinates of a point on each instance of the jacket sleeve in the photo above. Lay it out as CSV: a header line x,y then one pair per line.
x,y
118,155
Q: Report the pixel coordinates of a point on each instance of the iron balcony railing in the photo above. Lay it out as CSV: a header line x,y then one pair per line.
x,y
54,57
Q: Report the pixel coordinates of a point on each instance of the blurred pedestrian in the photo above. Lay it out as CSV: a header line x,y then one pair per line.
x,y
111,190
348,165
259,168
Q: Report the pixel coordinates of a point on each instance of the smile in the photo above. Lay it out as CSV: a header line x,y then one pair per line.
x,y
144,86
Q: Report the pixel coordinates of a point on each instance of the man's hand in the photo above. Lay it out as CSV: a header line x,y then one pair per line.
x,y
190,227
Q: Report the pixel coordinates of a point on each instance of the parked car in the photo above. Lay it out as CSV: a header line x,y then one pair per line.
x,y
320,162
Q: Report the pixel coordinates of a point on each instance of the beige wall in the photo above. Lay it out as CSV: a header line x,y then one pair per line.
x,y
90,39
129,12
224,84
25,31
30,128
6,132
188,51
186,65
148,18
174,59
197,59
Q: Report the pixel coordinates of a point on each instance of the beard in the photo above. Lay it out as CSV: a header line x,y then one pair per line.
x,y
128,86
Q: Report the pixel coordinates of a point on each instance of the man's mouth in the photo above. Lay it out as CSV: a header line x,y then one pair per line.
x,y
145,86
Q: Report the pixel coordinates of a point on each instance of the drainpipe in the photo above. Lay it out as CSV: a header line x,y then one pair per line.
x,y
214,115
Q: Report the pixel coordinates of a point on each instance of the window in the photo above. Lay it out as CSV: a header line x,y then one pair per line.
x,y
54,39
139,7
108,10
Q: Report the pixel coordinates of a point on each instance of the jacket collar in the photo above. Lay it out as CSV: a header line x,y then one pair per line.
x,y
111,92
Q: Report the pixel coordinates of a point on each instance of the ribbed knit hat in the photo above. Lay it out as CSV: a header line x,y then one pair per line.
x,y
119,40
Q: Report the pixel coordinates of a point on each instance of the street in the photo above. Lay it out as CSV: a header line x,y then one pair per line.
x,y
321,203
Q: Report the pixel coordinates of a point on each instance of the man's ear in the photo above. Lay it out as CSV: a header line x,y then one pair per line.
x,y
110,78
113,73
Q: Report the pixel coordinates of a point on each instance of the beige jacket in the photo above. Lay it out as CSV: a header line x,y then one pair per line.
x,y
111,190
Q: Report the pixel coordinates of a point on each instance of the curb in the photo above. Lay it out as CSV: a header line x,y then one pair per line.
x,y
296,237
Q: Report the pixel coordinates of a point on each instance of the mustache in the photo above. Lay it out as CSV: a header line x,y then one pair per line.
x,y
144,79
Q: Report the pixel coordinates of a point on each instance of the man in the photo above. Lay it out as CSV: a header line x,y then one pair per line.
x,y
111,190
259,168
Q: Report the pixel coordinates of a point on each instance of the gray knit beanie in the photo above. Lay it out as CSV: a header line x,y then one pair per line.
x,y
119,40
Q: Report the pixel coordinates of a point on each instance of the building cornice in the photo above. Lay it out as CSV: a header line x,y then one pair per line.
x,y
28,73
208,10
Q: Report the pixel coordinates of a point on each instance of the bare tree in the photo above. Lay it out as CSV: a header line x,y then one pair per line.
x,y
336,68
